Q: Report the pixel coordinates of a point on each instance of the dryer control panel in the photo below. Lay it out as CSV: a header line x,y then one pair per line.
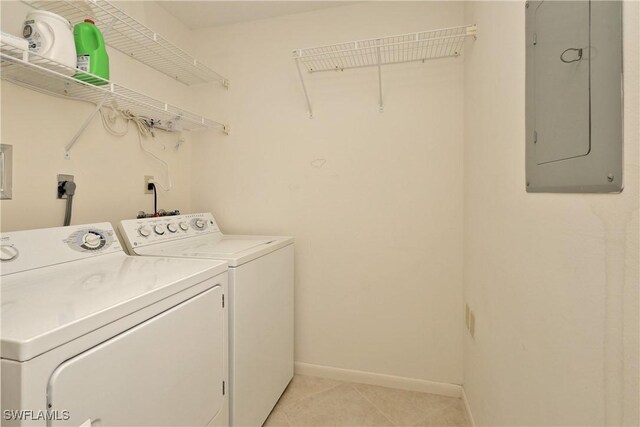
x,y
31,249
148,231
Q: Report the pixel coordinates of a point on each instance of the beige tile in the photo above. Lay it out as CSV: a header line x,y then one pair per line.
x,y
277,418
457,415
339,406
453,416
302,386
402,407
434,419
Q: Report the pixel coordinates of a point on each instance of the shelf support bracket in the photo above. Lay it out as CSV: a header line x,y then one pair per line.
x,y
381,105
67,149
109,27
304,89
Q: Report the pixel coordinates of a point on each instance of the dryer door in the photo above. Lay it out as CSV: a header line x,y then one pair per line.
x,y
165,371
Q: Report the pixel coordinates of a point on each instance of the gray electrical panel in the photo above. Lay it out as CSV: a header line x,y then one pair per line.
x,y
574,96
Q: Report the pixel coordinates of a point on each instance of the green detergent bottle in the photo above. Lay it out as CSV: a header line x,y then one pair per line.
x,y
92,54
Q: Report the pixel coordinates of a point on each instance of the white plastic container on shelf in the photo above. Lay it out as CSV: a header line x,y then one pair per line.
x,y
51,36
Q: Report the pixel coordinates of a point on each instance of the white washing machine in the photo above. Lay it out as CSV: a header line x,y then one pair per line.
x,y
94,337
260,301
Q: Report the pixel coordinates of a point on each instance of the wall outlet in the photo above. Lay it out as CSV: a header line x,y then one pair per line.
x,y
147,180
62,178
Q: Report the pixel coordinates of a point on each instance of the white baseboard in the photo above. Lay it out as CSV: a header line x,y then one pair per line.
x,y
472,422
403,383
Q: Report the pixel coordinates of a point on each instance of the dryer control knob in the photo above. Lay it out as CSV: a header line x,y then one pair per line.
x,y
172,227
8,253
144,231
184,226
199,224
158,229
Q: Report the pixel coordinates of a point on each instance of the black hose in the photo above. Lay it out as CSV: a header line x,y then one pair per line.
x,y
67,214
67,188
155,199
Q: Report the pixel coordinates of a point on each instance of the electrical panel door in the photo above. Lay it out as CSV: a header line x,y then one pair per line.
x,y
574,96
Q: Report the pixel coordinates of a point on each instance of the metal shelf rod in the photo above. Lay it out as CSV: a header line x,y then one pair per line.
x,y
381,106
304,90
84,125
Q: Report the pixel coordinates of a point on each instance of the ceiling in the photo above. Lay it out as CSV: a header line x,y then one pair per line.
x,y
202,14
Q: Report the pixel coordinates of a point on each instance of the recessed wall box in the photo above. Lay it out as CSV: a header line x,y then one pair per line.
x,y
6,171
574,96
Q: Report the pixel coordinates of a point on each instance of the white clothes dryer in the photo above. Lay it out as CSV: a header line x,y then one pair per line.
x,y
94,337
260,301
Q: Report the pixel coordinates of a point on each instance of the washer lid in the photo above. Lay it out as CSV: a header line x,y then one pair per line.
x,y
47,307
228,246
236,250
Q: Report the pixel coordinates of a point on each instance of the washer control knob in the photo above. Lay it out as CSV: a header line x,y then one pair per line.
x,y
199,223
158,229
144,231
172,227
184,226
91,240
8,253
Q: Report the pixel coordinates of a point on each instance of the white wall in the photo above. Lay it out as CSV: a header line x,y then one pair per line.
x,y
108,170
546,274
376,203
374,200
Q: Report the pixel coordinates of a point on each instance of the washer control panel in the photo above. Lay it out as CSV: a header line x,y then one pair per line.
x,y
147,231
30,249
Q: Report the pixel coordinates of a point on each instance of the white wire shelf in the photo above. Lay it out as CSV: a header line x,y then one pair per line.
x,y
413,47
134,39
386,50
30,70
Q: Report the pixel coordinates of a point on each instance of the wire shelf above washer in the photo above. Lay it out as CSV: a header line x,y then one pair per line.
x,y
126,34
386,50
413,47
30,70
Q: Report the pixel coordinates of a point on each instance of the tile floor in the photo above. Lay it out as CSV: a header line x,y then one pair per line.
x,y
312,401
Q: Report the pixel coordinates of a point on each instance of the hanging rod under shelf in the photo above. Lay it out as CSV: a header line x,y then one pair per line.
x,y
413,47
40,74
133,38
